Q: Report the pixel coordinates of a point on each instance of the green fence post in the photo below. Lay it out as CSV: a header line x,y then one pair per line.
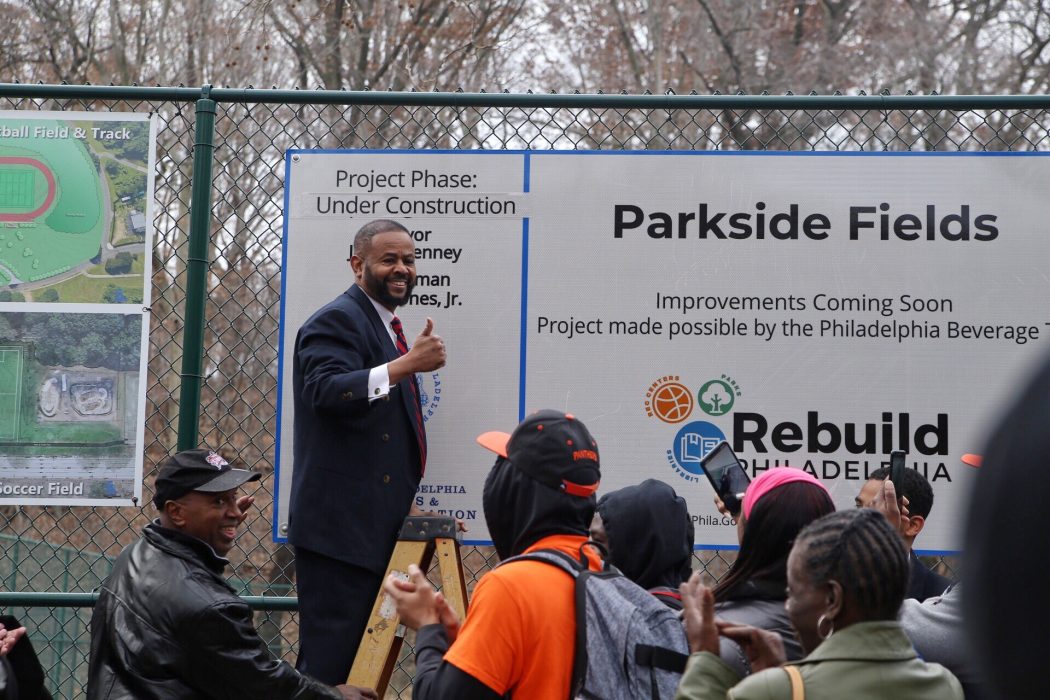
x,y
197,263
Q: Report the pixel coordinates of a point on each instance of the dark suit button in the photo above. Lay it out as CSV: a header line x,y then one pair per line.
x,y
386,478
387,397
386,437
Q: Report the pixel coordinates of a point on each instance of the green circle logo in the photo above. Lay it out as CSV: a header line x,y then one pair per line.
x,y
716,398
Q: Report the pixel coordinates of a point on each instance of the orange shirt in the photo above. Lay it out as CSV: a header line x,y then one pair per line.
x,y
519,634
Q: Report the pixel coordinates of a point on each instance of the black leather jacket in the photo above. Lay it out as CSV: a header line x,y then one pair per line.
x,y
167,626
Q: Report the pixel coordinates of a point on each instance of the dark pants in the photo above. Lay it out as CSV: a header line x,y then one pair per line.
x,y
335,600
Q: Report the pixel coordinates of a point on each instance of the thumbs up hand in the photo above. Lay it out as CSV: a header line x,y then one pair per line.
x,y
427,354
428,350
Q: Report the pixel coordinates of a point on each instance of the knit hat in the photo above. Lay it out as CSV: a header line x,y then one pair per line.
x,y
773,478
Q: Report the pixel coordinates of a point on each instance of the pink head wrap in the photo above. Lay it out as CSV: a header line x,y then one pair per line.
x,y
773,478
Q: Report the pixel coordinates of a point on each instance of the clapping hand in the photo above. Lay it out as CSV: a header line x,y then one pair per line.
x,y
8,638
418,604
764,649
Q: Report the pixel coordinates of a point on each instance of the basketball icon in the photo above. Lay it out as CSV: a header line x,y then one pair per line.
x,y
669,401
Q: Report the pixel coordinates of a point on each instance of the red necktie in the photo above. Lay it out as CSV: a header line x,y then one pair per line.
x,y
421,438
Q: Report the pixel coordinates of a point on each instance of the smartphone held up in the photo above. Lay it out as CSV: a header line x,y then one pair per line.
x,y
727,476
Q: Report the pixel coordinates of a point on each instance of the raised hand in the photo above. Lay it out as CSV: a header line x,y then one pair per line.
x,y
428,352
699,615
764,649
896,511
426,355
8,638
243,504
415,599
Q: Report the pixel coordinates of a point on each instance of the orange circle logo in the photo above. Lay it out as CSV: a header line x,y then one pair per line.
x,y
669,400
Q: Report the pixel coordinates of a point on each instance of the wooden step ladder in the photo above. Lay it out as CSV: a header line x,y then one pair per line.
x,y
420,539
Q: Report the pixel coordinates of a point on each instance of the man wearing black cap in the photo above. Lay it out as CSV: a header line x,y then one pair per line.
x,y
166,624
518,637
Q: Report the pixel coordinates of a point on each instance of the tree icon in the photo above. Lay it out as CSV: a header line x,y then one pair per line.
x,y
716,398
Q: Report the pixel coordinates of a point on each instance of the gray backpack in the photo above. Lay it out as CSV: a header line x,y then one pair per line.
x,y
629,645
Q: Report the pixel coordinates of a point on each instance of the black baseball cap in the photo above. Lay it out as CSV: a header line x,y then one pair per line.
x,y
552,447
197,470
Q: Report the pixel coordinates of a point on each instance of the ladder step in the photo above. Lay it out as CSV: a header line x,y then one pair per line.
x,y
420,538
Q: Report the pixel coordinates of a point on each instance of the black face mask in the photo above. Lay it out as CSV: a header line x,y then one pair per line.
x,y
520,511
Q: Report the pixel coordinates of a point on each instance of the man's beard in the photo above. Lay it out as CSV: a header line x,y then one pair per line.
x,y
377,288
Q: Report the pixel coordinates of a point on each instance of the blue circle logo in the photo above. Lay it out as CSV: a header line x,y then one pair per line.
x,y
429,386
693,441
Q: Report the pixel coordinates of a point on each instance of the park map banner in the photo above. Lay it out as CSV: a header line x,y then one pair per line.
x,y
817,310
76,200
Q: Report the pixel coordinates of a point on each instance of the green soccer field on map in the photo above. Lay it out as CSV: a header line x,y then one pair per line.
x,y
16,188
10,390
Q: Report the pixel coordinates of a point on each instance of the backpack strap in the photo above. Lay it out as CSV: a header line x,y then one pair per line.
x,y
579,654
660,657
668,593
580,572
798,689
553,557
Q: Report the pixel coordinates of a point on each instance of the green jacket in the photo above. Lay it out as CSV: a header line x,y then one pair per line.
x,y
866,660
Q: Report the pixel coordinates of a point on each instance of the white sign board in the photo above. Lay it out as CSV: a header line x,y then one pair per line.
x,y
76,219
815,309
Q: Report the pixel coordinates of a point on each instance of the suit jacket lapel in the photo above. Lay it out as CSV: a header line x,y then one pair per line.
x,y
359,296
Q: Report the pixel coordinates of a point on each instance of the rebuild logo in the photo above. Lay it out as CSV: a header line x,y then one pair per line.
x,y
671,401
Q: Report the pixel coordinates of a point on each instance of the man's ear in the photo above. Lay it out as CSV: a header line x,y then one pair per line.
x,y
173,511
357,264
915,525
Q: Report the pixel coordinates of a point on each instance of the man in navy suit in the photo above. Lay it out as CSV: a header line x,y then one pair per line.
x,y
923,583
359,446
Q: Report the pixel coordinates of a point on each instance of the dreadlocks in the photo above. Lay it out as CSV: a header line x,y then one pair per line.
x,y
862,552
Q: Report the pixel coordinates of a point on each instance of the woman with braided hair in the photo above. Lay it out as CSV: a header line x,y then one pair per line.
x,y
847,575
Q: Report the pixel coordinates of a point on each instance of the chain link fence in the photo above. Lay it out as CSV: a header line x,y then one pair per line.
x,y
70,549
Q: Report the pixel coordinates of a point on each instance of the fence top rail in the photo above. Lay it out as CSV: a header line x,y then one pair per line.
x,y
524,100
87,599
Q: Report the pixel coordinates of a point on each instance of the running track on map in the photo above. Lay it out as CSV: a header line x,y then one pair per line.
x,y
48,175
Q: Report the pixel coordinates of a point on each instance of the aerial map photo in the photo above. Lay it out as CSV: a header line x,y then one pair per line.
x,y
75,242
73,210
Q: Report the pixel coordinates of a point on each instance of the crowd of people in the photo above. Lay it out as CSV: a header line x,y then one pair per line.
x,y
595,597
812,589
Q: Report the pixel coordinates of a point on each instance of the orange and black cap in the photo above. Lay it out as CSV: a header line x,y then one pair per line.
x,y
552,447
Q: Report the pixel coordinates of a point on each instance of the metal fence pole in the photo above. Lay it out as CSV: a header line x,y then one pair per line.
x,y
197,263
